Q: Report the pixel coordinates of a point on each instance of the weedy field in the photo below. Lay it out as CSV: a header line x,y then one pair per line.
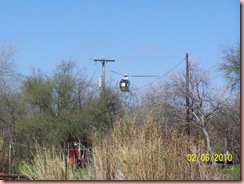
x,y
131,152
143,153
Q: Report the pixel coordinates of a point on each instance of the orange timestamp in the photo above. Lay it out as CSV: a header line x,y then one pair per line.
x,y
208,157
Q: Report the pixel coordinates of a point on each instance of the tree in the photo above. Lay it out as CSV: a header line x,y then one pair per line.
x,y
37,123
37,92
231,66
104,109
9,80
72,92
203,102
55,105
231,116
63,107
9,76
9,94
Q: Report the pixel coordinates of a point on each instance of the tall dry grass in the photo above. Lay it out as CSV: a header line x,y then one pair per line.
x,y
131,153
50,165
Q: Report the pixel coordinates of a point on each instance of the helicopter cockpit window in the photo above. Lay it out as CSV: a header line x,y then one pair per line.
x,y
124,85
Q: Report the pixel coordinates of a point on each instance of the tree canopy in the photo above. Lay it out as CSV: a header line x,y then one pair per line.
x,y
231,66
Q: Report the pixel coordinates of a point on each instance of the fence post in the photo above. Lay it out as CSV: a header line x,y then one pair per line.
x,y
10,158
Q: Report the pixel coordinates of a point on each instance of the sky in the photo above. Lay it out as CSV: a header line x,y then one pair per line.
x,y
145,37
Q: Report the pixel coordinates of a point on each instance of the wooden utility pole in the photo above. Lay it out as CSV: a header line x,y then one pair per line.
x,y
187,95
103,61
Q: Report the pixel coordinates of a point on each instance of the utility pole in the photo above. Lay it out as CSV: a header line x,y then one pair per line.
x,y
187,95
103,61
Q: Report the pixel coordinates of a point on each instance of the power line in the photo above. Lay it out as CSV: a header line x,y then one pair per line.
x,y
161,76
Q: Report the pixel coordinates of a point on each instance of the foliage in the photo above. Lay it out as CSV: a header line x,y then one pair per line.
x,y
170,100
24,168
3,156
231,66
9,76
10,109
234,172
62,108
54,105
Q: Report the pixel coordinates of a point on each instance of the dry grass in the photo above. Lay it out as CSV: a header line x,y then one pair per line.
x,y
48,165
130,153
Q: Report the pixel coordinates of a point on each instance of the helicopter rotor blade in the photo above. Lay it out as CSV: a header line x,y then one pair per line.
x,y
126,75
144,76
116,72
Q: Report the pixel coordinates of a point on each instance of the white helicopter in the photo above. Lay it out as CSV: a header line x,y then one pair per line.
x,y
124,83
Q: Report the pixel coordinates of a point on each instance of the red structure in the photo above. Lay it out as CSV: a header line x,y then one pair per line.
x,y
79,152
73,153
1,177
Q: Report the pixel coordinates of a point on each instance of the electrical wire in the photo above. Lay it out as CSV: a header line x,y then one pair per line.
x,y
161,76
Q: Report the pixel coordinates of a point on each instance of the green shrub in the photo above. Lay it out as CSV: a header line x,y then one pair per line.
x,y
234,172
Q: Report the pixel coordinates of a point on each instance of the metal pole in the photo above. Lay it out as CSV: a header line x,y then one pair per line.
x,y
226,145
10,158
66,162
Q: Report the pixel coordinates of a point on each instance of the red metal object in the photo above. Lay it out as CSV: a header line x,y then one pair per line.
x,y
79,157
1,177
73,153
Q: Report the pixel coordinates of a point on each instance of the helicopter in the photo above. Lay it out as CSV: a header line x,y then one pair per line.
x,y
124,83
